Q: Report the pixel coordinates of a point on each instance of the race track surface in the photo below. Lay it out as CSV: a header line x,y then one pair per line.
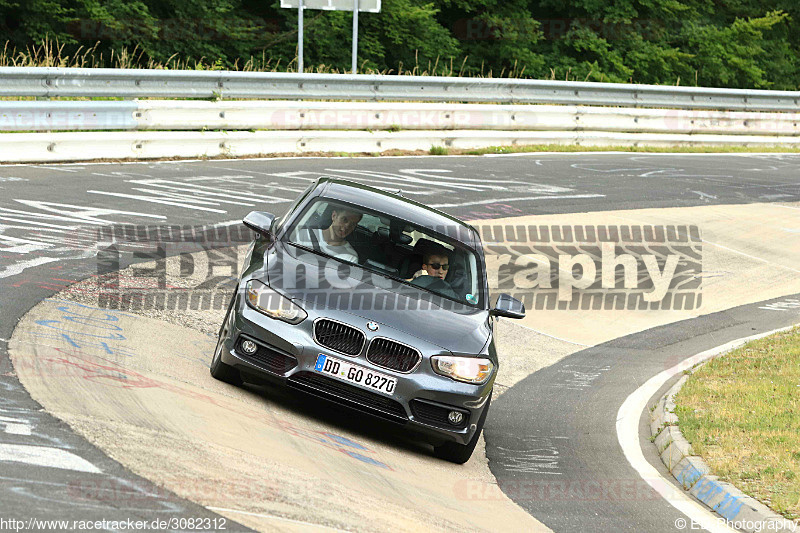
x,y
152,435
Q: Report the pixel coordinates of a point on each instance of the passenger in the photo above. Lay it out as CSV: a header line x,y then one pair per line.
x,y
333,240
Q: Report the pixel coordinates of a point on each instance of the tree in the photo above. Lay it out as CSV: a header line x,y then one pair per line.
x,y
730,43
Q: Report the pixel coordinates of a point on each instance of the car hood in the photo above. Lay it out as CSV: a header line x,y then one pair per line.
x,y
320,282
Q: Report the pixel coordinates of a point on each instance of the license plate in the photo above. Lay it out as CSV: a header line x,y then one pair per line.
x,y
347,371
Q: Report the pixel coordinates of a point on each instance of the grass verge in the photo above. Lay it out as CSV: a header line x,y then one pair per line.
x,y
648,149
460,152
741,413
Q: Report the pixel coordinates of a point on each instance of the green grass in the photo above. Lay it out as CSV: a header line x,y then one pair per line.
x,y
741,413
52,53
437,150
647,149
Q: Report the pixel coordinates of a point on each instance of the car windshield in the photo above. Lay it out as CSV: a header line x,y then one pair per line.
x,y
390,246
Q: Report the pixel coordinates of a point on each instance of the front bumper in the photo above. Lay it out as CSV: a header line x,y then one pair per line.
x,y
287,354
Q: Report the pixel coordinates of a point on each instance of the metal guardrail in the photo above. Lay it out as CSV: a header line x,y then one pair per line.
x,y
232,115
357,113
86,146
129,83
67,115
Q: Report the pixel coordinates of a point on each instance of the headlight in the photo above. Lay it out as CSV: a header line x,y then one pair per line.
x,y
273,304
467,369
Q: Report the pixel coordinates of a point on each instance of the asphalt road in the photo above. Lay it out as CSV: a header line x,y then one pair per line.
x,y
552,442
42,207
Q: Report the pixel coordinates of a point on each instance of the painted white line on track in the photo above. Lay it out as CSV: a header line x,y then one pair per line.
x,y
19,268
160,200
14,426
59,169
45,456
227,223
529,154
631,153
47,483
112,487
273,517
628,436
503,200
751,256
422,181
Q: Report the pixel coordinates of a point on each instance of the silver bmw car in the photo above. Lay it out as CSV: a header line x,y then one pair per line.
x,y
372,301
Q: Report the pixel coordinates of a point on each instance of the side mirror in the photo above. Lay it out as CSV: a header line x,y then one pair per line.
x,y
508,307
260,222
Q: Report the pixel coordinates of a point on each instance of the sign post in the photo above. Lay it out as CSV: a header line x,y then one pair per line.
x,y
300,36
367,6
355,36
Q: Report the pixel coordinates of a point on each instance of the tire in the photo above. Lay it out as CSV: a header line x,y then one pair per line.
x,y
220,370
460,453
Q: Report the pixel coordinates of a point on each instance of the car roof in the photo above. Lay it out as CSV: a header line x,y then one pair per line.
x,y
399,207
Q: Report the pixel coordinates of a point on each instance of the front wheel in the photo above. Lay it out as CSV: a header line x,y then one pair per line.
x,y
460,453
220,370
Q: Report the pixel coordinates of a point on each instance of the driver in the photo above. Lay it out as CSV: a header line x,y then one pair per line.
x,y
434,264
333,240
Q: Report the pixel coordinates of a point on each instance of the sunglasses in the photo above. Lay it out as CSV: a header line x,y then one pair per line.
x,y
437,266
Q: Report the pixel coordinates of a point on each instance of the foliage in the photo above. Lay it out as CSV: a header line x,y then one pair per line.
x,y
737,43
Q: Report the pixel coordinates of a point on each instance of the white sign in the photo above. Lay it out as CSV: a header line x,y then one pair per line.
x,y
368,6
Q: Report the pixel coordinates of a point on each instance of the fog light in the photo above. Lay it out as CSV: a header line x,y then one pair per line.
x,y
249,347
455,417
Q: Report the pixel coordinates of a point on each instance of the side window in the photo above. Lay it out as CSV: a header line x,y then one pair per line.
x,y
313,214
371,223
297,202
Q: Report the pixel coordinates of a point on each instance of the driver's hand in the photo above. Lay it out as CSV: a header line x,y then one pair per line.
x,y
420,272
